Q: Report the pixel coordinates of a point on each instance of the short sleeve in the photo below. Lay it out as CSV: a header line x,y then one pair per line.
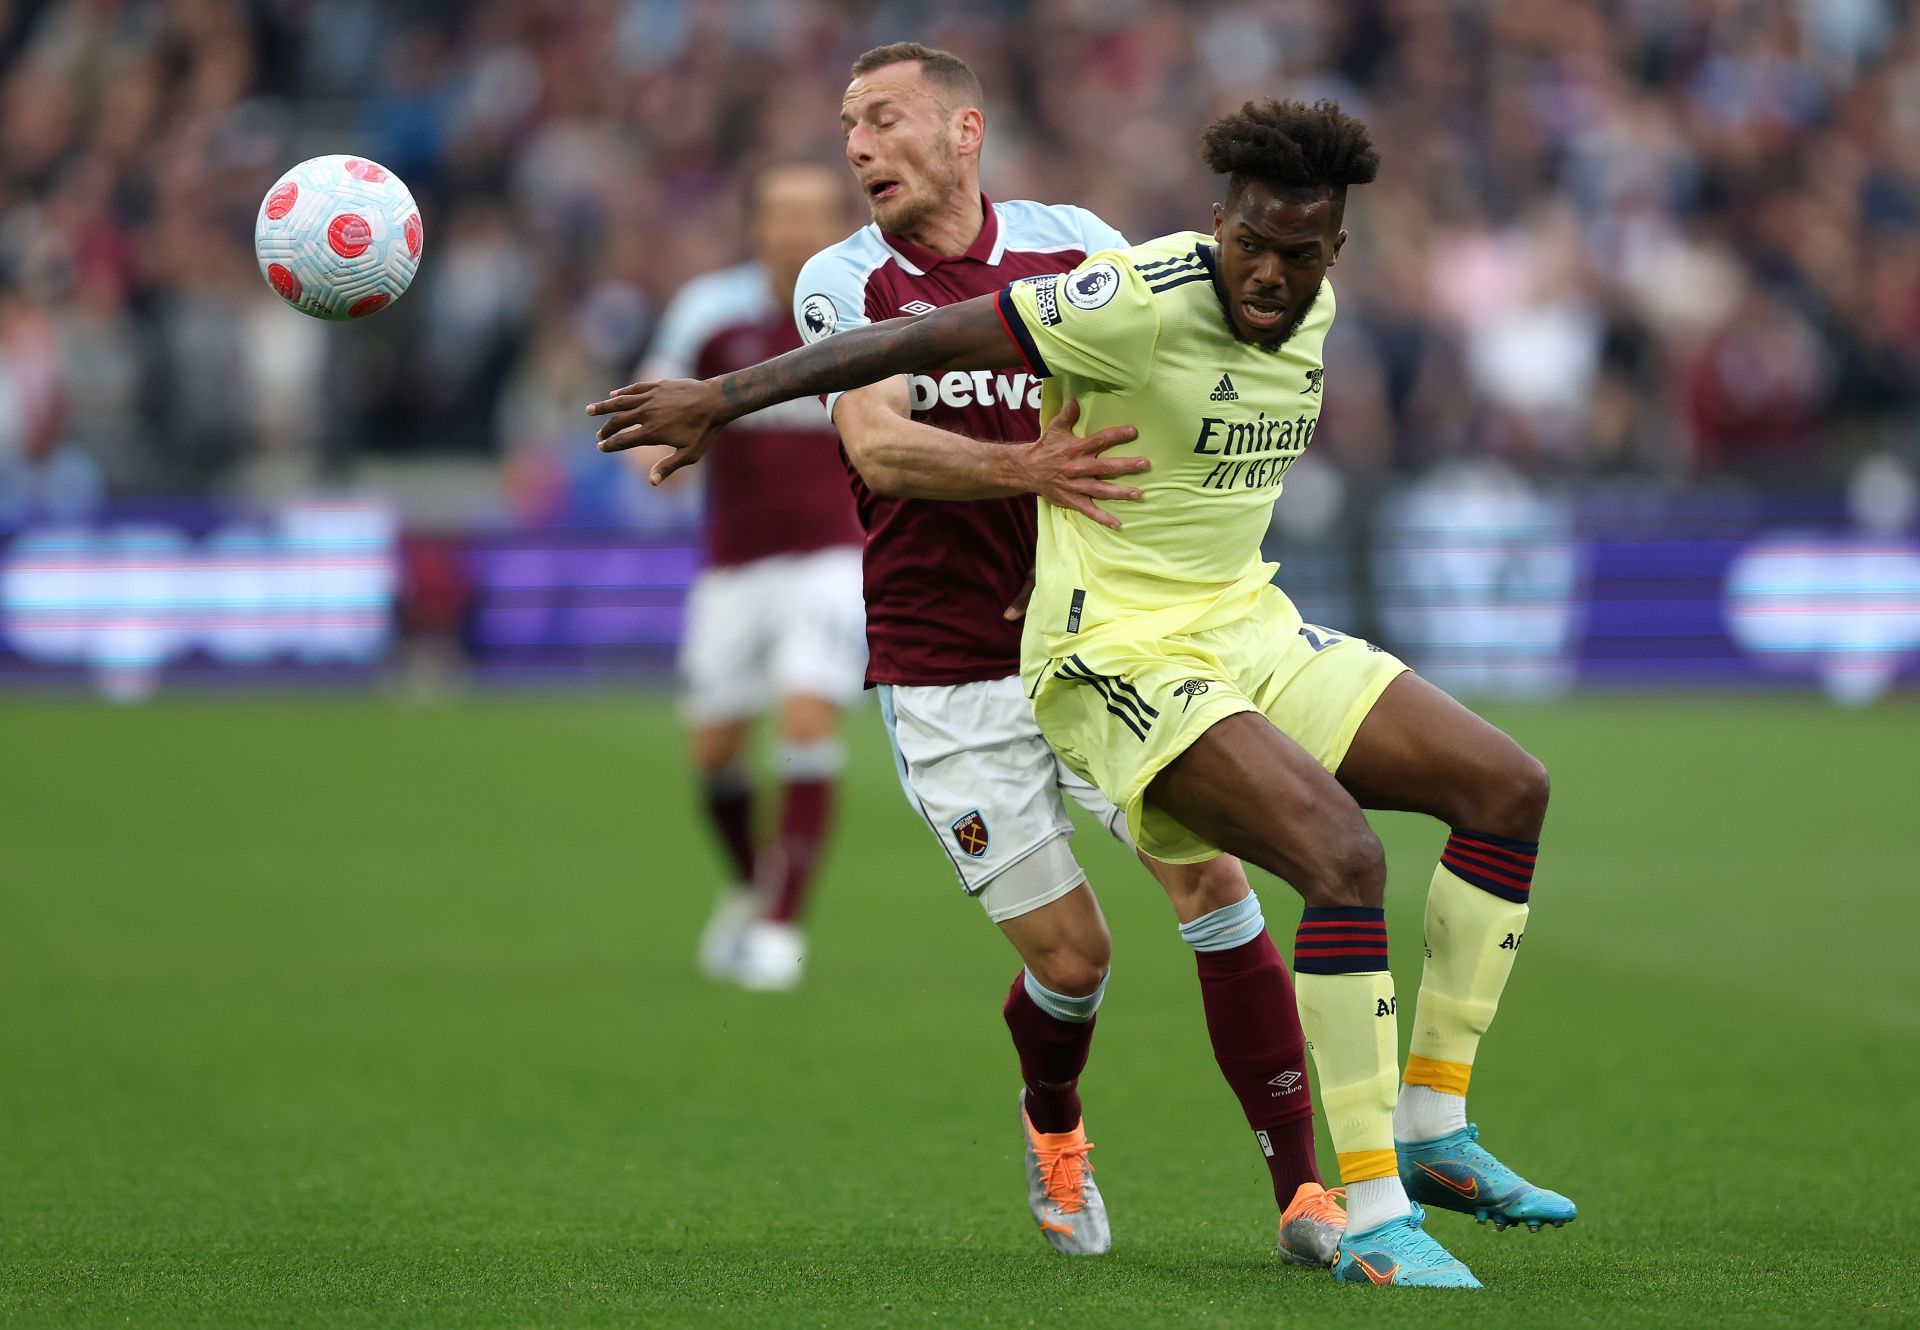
x,y
1097,323
829,297
1096,235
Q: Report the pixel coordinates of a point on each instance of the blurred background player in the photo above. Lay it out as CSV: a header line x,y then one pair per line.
x,y
774,622
945,651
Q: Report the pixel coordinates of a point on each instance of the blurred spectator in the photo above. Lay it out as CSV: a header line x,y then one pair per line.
x,y
1666,237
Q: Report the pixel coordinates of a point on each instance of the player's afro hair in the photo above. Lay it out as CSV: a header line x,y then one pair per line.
x,y
1294,149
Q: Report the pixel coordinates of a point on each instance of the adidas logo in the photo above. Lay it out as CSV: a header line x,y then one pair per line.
x,y
1223,390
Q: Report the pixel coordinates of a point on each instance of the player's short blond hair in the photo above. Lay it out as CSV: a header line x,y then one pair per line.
x,y
959,86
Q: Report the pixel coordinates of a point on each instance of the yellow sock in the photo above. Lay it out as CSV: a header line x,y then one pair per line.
x,y
1476,919
1354,1033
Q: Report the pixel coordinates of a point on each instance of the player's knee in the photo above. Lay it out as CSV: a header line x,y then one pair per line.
x,y
1200,889
806,720
1074,966
1073,974
1350,870
718,748
1220,883
1517,805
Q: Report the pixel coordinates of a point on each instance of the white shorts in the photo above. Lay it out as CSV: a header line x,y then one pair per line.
x,y
790,626
974,765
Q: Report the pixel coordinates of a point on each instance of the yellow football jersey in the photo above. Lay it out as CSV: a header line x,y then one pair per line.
x,y
1140,337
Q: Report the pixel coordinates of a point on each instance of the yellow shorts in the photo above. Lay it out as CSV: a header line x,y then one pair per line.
x,y
1118,714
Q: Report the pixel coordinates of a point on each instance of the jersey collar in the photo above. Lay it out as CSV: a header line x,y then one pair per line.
x,y
1204,252
986,247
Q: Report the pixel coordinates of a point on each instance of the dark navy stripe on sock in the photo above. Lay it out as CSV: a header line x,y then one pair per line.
x,y
1499,865
1340,939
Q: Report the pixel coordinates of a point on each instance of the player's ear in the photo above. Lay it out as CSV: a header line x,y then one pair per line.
x,y
1338,241
970,130
1219,222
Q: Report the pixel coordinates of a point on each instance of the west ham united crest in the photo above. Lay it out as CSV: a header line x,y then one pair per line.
x,y
971,833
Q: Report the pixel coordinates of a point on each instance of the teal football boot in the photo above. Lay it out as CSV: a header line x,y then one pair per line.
x,y
1454,1173
1401,1254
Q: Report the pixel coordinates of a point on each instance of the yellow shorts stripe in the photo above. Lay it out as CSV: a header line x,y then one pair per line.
x,y
1366,1165
1446,1077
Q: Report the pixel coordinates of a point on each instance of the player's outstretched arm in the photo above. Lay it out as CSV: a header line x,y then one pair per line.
x,y
685,414
895,454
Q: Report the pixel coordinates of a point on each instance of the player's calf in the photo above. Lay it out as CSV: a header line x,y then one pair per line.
x,y
1245,786
1052,1033
1254,1023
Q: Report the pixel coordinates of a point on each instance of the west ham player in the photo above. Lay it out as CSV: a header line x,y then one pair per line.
x,y
1167,668
946,659
774,619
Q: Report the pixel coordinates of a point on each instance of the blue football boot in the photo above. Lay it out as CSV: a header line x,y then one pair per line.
x,y
1454,1173
1400,1253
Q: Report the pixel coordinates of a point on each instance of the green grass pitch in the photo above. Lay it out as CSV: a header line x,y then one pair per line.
x,y
349,1013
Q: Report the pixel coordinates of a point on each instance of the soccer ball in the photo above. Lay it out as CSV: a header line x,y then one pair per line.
x,y
338,237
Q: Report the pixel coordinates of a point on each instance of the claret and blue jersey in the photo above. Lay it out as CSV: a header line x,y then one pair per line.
x,y
939,573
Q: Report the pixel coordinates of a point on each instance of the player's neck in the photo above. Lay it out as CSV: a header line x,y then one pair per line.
x,y
951,231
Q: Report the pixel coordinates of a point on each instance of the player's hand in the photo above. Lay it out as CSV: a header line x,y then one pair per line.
x,y
1070,472
681,414
1018,610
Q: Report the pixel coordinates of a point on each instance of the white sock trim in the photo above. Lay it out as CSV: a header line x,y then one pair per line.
x,y
1228,927
1374,1202
811,761
1060,1006
1426,1114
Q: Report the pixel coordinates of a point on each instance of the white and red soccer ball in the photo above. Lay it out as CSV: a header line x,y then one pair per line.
x,y
338,237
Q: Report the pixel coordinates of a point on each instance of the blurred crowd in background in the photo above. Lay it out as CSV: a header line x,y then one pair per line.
x,y
1676,240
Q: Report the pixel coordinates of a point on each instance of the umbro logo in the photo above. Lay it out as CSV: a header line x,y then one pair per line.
x,y
916,307
1288,1081
1223,390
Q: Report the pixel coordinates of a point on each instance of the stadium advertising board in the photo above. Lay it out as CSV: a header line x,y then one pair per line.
x,y
1515,595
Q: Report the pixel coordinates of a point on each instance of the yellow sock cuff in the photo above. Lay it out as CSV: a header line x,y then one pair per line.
x,y
1366,1165
1446,1077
